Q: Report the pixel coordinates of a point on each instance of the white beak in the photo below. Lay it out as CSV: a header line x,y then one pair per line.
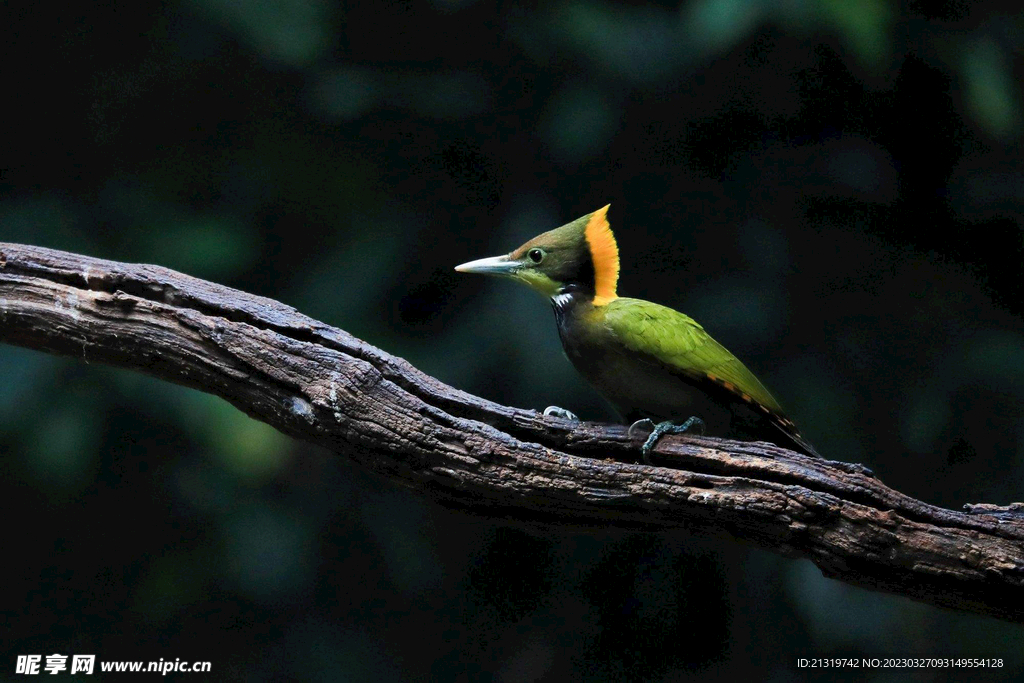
x,y
495,265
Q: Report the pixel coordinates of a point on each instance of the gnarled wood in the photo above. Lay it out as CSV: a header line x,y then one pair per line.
x,y
322,385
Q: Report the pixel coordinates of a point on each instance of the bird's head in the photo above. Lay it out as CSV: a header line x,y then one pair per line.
x,y
578,257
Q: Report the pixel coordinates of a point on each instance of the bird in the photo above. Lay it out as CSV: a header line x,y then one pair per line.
x,y
658,368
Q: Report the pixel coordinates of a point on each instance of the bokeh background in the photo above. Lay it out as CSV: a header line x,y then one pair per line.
x,y
834,189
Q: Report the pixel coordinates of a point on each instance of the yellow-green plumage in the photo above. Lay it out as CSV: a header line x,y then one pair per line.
x,y
648,360
679,343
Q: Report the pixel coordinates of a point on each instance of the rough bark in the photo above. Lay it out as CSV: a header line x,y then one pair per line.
x,y
322,385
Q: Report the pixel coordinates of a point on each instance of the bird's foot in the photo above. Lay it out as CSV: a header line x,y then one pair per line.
x,y
644,425
555,411
663,428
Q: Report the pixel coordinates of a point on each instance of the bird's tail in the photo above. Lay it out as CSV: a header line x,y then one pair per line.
x,y
793,437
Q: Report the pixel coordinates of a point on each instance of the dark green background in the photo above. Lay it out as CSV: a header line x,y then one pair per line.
x,y
834,189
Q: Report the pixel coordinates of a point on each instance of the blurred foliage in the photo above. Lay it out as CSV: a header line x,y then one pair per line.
x,y
833,189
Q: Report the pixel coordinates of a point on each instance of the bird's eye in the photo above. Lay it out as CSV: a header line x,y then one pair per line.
x,y
536,255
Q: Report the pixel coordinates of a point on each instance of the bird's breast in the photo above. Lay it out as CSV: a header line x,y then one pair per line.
x,y
635,386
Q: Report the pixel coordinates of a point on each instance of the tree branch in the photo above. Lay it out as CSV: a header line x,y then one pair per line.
x,y
322,385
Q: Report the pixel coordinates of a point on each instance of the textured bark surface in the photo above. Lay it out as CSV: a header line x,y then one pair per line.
x,y
322,385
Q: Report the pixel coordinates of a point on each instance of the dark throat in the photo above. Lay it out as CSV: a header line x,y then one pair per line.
x,y
568,302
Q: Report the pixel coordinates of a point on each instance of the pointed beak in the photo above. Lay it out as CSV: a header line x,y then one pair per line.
x,y
496,265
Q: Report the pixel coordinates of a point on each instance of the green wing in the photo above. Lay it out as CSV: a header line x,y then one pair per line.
x,y
679,343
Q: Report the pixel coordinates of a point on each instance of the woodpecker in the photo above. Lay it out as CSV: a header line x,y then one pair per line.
x,y
656,366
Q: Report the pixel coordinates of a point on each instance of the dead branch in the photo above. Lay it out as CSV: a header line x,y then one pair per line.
x,y
322,385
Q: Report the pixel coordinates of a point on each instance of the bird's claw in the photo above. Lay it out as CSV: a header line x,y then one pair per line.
x,y
646,425
664,428
555,411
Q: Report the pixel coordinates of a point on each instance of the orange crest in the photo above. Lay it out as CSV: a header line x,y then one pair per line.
x,y
605,254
